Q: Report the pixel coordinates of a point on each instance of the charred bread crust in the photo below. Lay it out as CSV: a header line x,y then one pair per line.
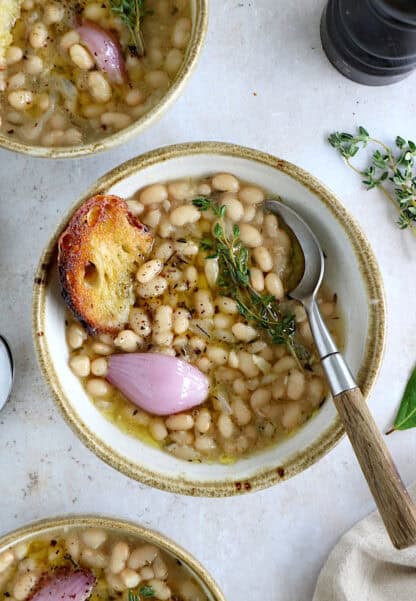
x,y
98,254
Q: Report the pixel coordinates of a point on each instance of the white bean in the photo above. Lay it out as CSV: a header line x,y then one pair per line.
x,y
181,33
99,367
116,120
180,421
142,556
14,54
271,225
217,354
38,35
139,321
244,332
291,416
173,60
203,303
54,13
94,537
284,364
149,270
128,341
225,425
158,429
246,365
155,287
274,285
241,412
97,387
184,215
20,99
257,279
227,305
134,97
81,57
180,321
153,194
24,585
251,195
263,258
95,11
69,39
130,578
72,545
235,209
250,236
99,87
203,421
80,365
225,182
34,65
6,560
119,556
157,79
295,385
260,398
76,336
93,558
205,444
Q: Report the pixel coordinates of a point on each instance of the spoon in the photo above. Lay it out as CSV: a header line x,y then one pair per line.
x,y
393,501
6,371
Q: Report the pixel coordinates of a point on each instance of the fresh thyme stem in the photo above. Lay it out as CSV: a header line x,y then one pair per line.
x,y
131,13
385,169
234,280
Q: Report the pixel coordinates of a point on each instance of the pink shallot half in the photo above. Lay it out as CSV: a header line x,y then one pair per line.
x,y
105,49
65,584
157,383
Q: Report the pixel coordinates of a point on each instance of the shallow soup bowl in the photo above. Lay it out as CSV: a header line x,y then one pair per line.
x,y
351,271
54,531
199,17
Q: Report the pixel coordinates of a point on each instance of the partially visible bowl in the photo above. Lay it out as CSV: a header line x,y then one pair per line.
x,y
60,526
199,14
351,270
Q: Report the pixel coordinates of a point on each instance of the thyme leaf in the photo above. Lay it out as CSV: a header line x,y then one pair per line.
x,y
143,593
390,170
131,12
263,310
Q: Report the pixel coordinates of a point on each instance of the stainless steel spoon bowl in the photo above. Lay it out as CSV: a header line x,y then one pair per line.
x,y
6,371
396,508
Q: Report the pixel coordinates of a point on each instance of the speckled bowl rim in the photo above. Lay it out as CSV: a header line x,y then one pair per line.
x,y
369,368
196,42
131,528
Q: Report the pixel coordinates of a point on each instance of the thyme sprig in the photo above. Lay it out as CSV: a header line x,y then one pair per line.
x,y
263,310
393,171
145,592
131,12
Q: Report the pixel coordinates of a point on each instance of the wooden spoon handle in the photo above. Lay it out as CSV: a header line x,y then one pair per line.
x,y
396,508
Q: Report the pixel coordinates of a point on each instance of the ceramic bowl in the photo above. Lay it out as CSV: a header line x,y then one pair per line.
x,y
351,270
199,12
57,526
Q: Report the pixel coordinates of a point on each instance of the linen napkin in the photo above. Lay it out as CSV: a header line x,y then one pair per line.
x,y
364,566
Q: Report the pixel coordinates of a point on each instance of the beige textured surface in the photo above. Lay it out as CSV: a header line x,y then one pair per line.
x,y
271,544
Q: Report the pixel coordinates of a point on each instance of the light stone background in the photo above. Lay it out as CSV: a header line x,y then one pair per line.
x,y
264,82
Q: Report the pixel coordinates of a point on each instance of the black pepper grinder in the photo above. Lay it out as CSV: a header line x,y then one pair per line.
x,y
372,42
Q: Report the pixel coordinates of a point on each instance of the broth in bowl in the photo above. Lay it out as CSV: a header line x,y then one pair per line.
x,y
76,563
208,286
74,72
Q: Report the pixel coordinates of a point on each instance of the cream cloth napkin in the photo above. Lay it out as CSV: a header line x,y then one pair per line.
x,y
364,566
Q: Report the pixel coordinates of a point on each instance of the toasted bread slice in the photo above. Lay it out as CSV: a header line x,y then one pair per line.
x,y
98,255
